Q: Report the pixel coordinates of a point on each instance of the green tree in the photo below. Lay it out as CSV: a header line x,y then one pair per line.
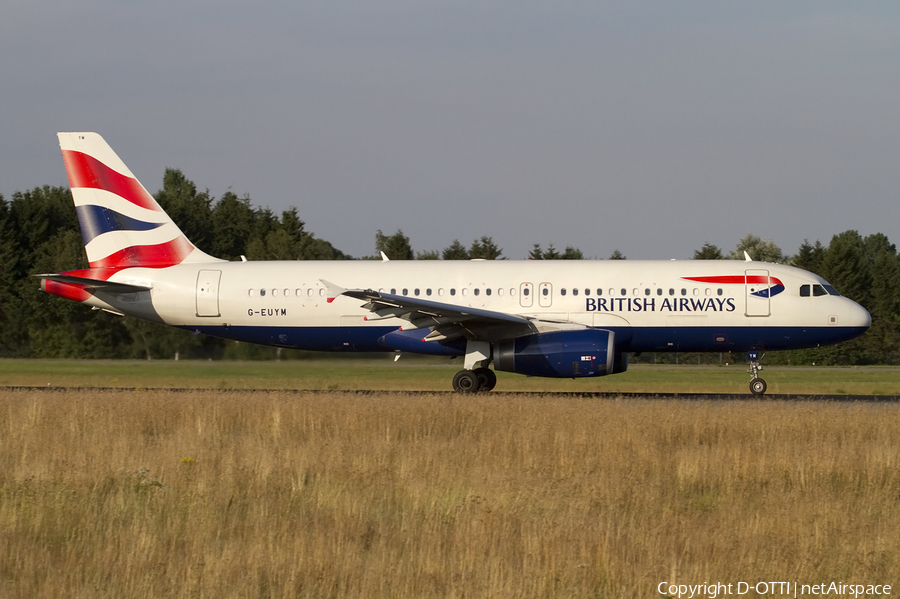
x,y
191,211
455,251
395,247
536,253
759,249
809,257
428,255
708,252
232,225
572,254
485,249
617,255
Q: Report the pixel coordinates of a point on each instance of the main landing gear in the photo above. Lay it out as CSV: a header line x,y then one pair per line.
x,y
757,385
476,376
472,381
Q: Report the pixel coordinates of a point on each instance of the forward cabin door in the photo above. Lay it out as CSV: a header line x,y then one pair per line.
x,y
756,286
208,292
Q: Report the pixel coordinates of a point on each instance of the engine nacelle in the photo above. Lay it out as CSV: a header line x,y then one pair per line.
x,y
561,354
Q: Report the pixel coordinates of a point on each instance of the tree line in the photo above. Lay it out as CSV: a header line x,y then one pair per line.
x,y
39,233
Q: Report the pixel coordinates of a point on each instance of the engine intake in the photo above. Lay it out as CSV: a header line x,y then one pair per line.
x,y
561,354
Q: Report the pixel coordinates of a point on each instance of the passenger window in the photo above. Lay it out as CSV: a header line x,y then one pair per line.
x,y
262,292
708,292
393,291
561,291
683,291
599,291
441,292
321,293
545,291
487,291
512,291
287,292
647,291
298,292
612,292
587,291
635,292
696,292
659,291
575,292
477,291
309,292
719,291
465,291
428,292
274,293
624,292
453,291
416,292
251,292
500,291
525,291
804,290
671,291
406,292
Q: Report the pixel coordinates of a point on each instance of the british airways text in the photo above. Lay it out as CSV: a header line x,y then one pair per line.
x,y
649,304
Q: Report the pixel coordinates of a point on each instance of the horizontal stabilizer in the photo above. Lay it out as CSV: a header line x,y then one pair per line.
x,y
110,286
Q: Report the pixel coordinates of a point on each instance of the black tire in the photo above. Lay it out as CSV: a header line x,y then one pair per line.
x,y
465,381
757,386
487,380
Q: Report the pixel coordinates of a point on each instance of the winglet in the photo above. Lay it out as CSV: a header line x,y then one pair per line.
x,y
384,257
747,257
332,290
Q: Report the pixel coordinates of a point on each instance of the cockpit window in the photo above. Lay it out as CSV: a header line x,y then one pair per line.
x,y
817,290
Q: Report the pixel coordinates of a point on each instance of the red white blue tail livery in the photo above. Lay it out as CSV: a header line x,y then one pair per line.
x,y
539,318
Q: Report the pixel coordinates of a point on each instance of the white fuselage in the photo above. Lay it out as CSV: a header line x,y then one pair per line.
x,y
652,305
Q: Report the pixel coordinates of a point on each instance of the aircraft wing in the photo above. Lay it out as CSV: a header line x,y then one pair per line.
x,y
446,321
110,286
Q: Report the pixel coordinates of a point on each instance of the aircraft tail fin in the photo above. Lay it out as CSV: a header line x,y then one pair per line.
x,y
121,223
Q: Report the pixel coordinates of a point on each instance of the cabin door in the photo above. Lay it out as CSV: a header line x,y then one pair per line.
x,y
756,291
208,292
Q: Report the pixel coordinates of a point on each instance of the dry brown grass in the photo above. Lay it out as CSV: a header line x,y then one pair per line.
x,y
242,494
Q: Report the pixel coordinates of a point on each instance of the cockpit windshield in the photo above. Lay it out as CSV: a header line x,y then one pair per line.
x,y
817,290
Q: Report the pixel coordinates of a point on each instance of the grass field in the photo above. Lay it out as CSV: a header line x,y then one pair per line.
x,y
431,374
131,493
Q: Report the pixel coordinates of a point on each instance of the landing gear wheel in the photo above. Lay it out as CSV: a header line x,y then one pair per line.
x,y
466,381
757,386
487,380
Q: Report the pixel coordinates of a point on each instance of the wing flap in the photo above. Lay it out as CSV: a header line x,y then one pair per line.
x,y
446,321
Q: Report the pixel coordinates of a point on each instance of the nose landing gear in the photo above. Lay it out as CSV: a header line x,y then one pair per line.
x,y
757,385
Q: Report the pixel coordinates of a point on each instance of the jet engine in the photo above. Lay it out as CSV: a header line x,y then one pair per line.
x,y
561,354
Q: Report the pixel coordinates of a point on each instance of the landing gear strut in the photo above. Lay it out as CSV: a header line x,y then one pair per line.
x,y
476,376
757,385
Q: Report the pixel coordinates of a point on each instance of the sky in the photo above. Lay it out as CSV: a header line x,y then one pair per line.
x,y
647,127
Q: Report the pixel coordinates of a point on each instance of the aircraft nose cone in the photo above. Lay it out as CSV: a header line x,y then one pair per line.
x,y
859,316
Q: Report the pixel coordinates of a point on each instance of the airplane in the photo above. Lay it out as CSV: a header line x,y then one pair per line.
x,y
561,319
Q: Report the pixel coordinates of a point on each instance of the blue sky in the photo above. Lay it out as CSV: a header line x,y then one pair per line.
x,y
645,127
